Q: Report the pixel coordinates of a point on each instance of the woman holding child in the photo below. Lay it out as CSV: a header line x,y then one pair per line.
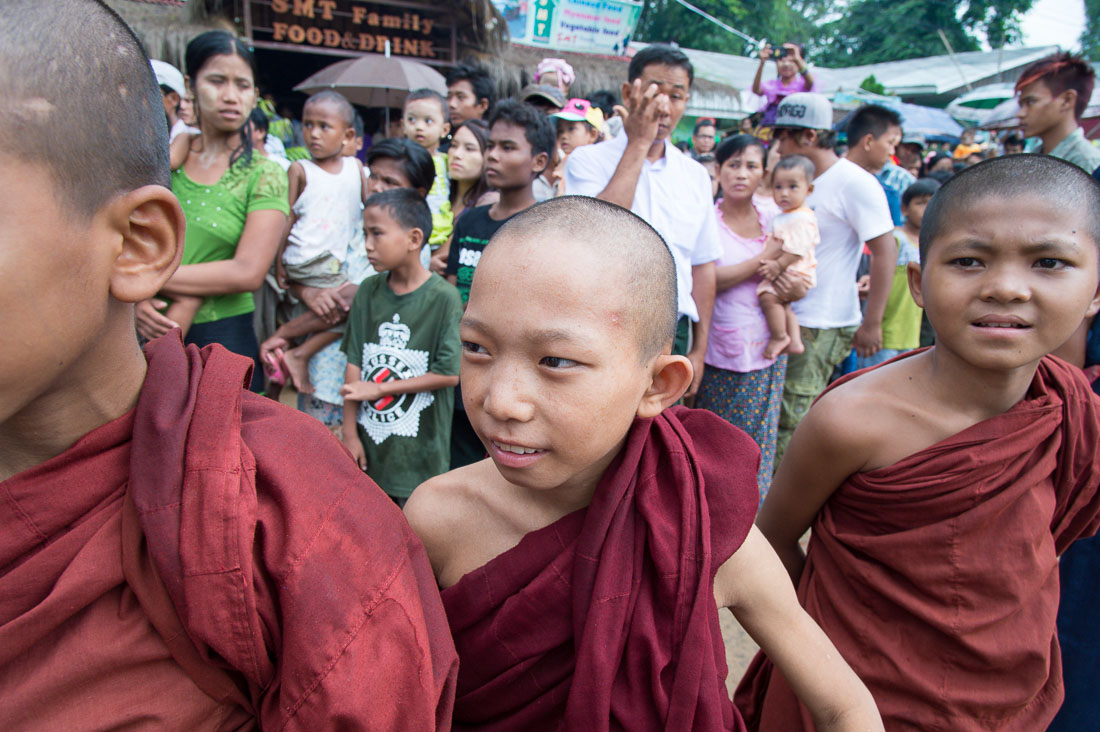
x,y
235,202
739,384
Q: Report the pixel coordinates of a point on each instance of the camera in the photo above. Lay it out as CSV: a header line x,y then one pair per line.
x,y
780,51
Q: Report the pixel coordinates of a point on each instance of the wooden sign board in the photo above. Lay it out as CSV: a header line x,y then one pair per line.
x,y
424,31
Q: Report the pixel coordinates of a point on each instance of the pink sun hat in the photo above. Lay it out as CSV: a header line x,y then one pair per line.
x,y
581,110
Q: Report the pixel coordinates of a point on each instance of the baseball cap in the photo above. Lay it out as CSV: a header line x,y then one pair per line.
x,y
169,76
543,91
805,109
581,110
914,138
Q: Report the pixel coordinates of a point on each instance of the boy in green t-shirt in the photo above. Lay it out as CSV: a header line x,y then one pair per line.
x,y
403,352
902,316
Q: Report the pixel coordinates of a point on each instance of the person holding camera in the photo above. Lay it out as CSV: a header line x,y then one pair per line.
x,y
794,76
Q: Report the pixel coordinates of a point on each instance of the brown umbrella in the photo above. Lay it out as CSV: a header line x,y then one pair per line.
x,y
374,80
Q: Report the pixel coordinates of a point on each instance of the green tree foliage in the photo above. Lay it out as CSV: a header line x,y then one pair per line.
x,y
775,20
872,85
875,31
1090,37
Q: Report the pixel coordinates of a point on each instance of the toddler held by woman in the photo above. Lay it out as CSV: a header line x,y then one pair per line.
x,y
789,248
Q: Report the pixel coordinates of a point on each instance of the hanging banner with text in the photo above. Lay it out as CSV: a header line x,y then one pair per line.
x,y
421,30
585,26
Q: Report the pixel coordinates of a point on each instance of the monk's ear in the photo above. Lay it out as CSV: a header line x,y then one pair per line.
x,y
671,377
150,225
912,271
1094,306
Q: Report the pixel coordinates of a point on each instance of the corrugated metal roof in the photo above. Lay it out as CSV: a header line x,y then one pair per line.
x,y
932,75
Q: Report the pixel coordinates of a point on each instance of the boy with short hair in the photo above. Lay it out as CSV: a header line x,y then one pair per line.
x,y
177,553
403,349
901,320
584,563
938,515
427,123
471,93
521,142
326,197
874,133
1053,93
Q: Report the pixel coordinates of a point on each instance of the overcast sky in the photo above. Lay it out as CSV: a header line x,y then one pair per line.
x,y
1054,22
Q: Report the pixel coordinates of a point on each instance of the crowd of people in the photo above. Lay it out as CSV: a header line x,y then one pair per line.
x,y
605,386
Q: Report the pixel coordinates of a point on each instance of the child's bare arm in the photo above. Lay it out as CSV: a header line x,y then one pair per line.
x,y
296,183
179,149
183,311
828,446
368,391
752,585
769,269
349,434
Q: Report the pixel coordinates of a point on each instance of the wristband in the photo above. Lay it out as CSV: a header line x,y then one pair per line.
x,y
804,70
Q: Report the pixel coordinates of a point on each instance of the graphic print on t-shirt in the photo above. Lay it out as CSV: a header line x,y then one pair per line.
x,y
469,255
388,360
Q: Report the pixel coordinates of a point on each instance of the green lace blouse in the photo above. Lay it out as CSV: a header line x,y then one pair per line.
x,y
215,219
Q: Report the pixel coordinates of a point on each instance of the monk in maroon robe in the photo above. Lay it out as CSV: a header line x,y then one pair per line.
x,y
943,485
583,564
213,560
175,553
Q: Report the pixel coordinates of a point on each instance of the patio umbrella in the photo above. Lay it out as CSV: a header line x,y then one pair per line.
x,y
375,80
973,106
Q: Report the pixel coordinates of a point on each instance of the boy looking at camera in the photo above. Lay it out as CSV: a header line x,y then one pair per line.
x,y
583,564
938,516
402,347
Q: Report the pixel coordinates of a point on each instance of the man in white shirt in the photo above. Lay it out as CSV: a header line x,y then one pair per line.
x,y
641,170
851,209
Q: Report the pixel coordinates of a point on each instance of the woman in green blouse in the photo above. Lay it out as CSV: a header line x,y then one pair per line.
x,y
235,202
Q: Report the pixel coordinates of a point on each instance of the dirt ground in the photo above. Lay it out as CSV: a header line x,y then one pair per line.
x,y
740,648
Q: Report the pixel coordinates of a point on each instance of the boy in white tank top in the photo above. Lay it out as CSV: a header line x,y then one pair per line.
x,y
326,209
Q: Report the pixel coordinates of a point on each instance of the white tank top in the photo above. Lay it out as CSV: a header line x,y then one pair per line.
x,y
328,212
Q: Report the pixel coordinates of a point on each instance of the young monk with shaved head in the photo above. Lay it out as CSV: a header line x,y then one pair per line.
x,y
939,513
175,552
583,563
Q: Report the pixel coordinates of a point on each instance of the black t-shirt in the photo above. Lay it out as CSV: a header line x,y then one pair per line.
x,y
472,232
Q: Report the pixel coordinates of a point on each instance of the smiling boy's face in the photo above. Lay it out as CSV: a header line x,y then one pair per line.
x,y
552,371
1009,281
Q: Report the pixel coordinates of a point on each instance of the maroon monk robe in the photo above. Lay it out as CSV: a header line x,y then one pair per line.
x,y
606,619
937,577
248,576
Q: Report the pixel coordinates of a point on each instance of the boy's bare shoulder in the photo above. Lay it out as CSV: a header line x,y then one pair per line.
x,y
450,511
871,414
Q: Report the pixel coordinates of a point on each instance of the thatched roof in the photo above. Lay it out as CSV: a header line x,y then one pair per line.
x,y
514,68
165,28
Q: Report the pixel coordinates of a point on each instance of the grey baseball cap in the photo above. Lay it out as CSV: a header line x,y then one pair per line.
x,y
809,110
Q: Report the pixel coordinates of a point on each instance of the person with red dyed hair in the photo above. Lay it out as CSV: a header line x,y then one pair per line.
x,y
1053,93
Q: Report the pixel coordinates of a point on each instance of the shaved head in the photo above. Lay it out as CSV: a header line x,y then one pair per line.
x,y
635,258
85,104
1064,185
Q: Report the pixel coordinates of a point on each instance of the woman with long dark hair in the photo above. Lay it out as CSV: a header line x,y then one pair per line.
x,y
235,202
466,167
